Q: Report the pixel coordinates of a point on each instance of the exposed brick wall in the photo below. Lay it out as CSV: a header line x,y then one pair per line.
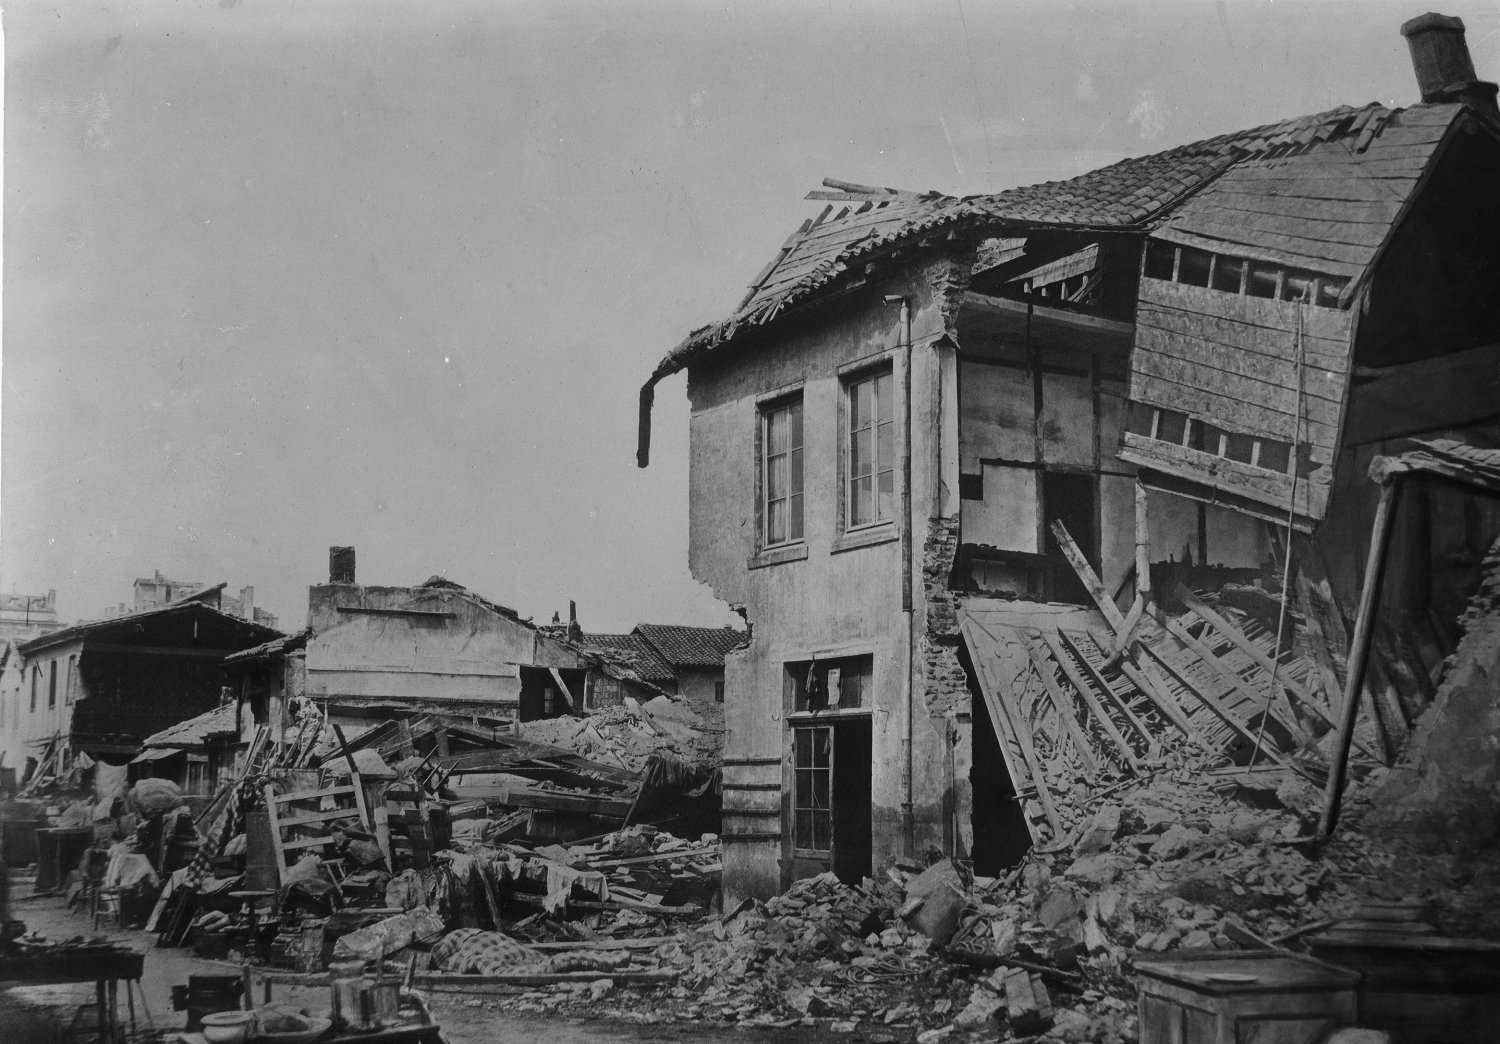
x,y
943,680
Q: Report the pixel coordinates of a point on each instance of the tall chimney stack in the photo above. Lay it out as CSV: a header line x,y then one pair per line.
x,y
1440,57
341,565
575,632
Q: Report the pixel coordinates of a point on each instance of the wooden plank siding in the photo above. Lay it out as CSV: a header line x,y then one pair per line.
x,y
1205,469
1231,361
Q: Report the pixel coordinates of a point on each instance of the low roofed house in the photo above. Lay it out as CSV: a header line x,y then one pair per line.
x,y
929,411
102,688
197,754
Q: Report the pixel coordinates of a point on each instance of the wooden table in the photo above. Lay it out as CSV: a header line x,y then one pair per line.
x,y
105,966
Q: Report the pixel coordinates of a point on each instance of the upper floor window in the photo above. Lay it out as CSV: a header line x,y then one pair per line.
x,y
36,679
781,472
869,456
52,685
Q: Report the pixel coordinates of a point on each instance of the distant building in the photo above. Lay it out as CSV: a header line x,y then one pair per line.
x,y
101,688
155,591
374,652
681,660
24,616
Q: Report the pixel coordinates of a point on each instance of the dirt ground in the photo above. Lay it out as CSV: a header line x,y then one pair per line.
x,y
43,1014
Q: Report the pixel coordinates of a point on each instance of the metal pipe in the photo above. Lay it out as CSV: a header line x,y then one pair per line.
x,y
907,584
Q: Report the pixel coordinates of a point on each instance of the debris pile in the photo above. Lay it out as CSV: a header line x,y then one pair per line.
x,y
628,735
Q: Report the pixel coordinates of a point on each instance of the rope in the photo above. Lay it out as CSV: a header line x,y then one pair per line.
x,y
1286,569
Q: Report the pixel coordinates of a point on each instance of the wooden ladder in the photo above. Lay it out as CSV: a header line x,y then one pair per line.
x,y
300,822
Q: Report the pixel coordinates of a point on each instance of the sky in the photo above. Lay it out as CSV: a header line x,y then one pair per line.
x,y
286,275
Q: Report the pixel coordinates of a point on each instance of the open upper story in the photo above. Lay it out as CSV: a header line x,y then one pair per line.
x,y
1237,321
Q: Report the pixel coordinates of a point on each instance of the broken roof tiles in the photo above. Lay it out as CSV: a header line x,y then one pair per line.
x,y
1340,144
692,646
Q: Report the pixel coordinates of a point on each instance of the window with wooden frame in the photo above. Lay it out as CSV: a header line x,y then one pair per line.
x,y
1238,275
52,685
781,472
869,457
1181,429
839,683
812,805
36,681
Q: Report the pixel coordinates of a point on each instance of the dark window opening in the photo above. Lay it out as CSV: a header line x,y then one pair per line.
x,y
1229,274
1240,448
1160,260
1264,280
1171,426
971,487
718,692
52,685
1193,269
1275,455
1069,497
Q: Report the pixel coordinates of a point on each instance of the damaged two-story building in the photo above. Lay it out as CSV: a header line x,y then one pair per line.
x,y
1187,359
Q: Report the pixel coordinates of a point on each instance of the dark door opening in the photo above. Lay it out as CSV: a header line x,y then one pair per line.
x,y
1000,835
851,800
831,799
1068,496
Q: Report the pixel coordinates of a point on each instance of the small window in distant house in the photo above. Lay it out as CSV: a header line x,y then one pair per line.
x,y
52,684
781,473
36,681
718,692
68,681
869,456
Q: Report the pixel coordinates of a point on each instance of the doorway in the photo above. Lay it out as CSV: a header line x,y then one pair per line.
x,y
1069,497
831,798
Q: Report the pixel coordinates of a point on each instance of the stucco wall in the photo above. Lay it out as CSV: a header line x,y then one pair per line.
x,y
470,654
832,602
22,729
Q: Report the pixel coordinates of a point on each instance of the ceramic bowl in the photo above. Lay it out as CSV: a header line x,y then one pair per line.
x,y
228,1027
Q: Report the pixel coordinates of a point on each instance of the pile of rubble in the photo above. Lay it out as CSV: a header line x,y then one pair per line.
x,y
628,735
1186,858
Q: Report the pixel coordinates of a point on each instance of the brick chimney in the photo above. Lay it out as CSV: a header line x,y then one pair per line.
x,y
1440,57
247,603
341,565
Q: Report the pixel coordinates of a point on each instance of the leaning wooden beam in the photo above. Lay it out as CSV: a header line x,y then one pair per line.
x,y
1062,703
1359,653
1096,672
1090,579
1223,670
1100,715
1214,704
1240,641
1142,543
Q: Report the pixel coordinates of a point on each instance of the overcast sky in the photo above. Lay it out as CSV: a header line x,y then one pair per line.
x,y
285,275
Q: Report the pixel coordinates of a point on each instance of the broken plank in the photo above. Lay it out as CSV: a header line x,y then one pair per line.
x,y
1085,690
1063,704
1090,579
1096,671
1239,640
1232,678
1213,703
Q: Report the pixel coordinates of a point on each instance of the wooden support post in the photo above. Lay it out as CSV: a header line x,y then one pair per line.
x,y
1359,654
1142,543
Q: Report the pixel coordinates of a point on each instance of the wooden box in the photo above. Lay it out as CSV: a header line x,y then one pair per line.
x,y
1243,997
